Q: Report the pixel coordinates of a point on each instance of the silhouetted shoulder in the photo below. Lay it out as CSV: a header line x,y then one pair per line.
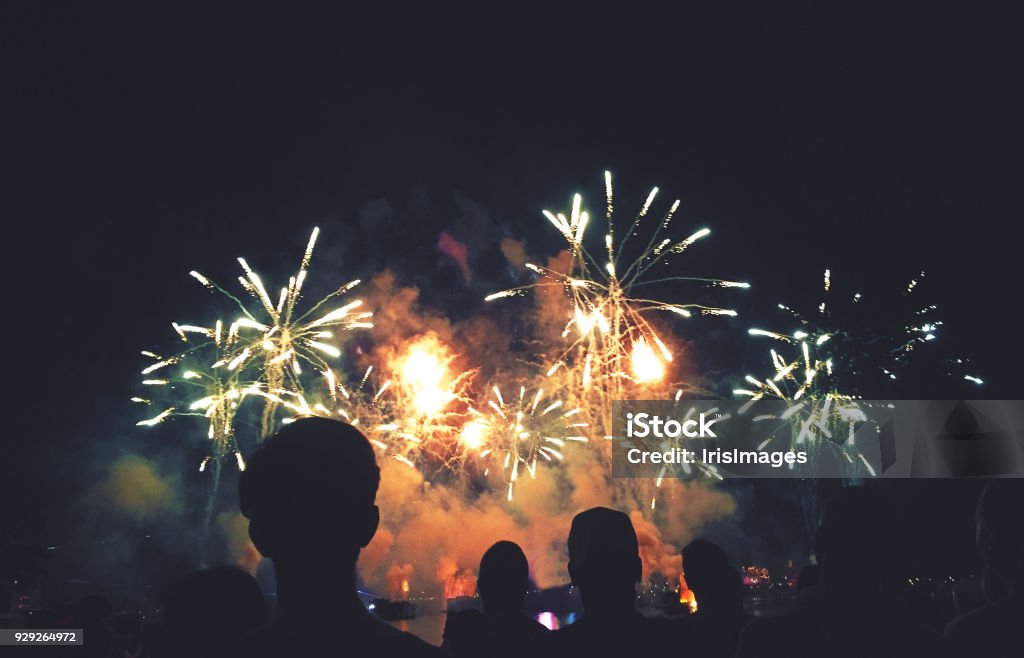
x,y
992,630
814,632
476,634
773,636
637,635
525,629
710,636
371,638
465,632
564,641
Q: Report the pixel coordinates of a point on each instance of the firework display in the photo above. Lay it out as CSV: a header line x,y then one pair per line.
x,y
501,438
277,339
520,431
372,408
819,367
193,384
610,337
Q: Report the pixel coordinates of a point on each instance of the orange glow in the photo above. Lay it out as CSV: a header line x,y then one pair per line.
x,y
647,367
405,590
473,435
423,374
686,595
462,583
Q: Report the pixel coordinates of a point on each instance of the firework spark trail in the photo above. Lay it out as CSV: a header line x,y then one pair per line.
x,y
806,380
414,405
412,416
370,406
519,431
199,388
868,342
279,338
815,409
426,404
819,378
607,328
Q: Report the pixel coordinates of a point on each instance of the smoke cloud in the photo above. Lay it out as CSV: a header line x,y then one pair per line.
x,y
135,487
436,525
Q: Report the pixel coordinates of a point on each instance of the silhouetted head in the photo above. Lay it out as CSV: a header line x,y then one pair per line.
x,y
858,543
604,559
809,576
308,492
504,578
209,608
708,573
1000,536
92,609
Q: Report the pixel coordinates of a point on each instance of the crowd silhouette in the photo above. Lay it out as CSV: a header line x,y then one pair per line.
x,y
855,610
309,496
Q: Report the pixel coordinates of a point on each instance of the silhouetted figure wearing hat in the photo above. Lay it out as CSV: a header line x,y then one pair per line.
x,y
501,630
995,629
858,609
715,627
308,493
604,563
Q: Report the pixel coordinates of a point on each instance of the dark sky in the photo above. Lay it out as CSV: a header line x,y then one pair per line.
x,y
874,139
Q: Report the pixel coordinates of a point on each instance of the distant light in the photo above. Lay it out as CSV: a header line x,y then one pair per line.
x,y
548,620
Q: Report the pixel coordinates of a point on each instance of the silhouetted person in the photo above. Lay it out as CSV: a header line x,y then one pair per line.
x,y
209,609
808,577
90,614
309,493
995,629
604,563
715,628
501,629
858,610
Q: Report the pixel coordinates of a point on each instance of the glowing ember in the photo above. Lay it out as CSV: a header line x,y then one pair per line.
x,y
458,583
521,430
647,367
473,435
609,335
686,595
423,374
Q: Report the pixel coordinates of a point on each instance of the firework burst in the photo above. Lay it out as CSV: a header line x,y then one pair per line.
x,y
854,344
815,410
519,431
821,367
200,386
421,408
279,338
608,322
366,404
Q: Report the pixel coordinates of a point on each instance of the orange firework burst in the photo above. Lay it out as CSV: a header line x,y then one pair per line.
x,y
611,338
520,431
431,394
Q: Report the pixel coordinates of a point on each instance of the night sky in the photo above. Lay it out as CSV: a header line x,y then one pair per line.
x,y
143,143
